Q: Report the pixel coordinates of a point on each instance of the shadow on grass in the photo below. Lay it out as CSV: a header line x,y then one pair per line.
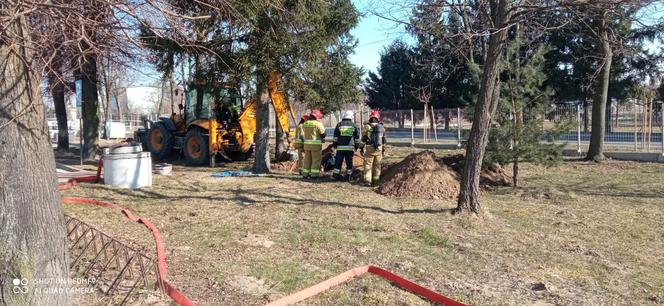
x,y
248,197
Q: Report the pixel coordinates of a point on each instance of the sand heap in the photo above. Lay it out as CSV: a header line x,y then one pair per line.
x,y
420,175
423,175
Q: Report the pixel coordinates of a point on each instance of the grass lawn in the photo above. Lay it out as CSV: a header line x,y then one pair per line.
x,y
590,234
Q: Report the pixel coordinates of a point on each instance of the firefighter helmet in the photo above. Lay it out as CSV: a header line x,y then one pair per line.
x,y
375,114
317,114
348,115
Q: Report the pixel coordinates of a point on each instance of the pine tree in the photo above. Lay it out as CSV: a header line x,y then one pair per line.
x,y
392,86
520,135
243,41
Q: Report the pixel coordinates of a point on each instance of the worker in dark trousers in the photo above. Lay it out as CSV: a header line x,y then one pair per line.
x,y
346,141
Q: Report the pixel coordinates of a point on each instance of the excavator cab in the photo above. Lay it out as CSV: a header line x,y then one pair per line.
x,y
205,102
215,122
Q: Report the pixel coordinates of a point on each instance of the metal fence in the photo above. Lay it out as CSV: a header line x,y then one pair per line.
x,y
116,270
122,127
634,126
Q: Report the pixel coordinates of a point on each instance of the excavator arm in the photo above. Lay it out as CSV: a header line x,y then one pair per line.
x,y
282,109
281,106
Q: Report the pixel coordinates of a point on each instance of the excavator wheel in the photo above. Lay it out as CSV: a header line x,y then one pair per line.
x,y
160,140
196,147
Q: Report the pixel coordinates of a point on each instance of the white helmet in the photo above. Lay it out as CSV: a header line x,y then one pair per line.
x,y
348,115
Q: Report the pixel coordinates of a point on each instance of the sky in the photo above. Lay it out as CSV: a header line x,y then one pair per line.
x,y
373,34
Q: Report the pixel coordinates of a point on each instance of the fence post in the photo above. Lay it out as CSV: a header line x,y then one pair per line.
x,y
433,118
635,135
80,136
412,129
425,124
459,127
578,128
661,119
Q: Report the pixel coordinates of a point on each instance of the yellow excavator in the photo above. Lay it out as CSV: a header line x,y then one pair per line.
x,y
216,123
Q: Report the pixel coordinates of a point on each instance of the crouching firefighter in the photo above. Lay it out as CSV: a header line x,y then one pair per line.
x,y
374,139
346,141
312,135
297,143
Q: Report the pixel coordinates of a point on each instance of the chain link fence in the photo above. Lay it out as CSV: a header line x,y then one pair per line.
x,y
635,126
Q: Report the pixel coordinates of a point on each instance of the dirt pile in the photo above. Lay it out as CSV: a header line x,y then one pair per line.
x,y
423,175
420,175
358,161
491,175
289,165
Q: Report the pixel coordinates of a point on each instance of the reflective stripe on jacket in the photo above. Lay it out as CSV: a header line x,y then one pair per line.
x,y
346,135
313,132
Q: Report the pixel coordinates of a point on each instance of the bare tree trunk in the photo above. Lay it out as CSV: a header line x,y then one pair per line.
x,y
585,114
107,95
432,116
161,107
447,120
32,231
120,106
515,173
596,148
170,88
262,156
58,95
90,107
487,103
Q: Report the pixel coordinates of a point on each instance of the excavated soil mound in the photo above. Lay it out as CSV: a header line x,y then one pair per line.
x,y
420,175
285,165
358,161
289,165
495,175
423,175
491,175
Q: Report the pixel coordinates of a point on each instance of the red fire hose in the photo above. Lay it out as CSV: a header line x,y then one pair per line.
x,y
162,267
299,296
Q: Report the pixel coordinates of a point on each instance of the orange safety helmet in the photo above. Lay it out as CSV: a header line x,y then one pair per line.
x,y
374,114
317,113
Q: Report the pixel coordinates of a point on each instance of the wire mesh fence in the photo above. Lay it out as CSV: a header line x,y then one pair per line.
x,y
632,126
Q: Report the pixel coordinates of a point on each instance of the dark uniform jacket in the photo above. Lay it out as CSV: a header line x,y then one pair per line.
x,y
346,135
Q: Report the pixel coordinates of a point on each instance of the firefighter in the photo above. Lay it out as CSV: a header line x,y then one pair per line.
x,y
346,141
297,143
313,136
374,140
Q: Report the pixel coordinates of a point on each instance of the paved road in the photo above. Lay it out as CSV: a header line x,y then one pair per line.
x,y
616,137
